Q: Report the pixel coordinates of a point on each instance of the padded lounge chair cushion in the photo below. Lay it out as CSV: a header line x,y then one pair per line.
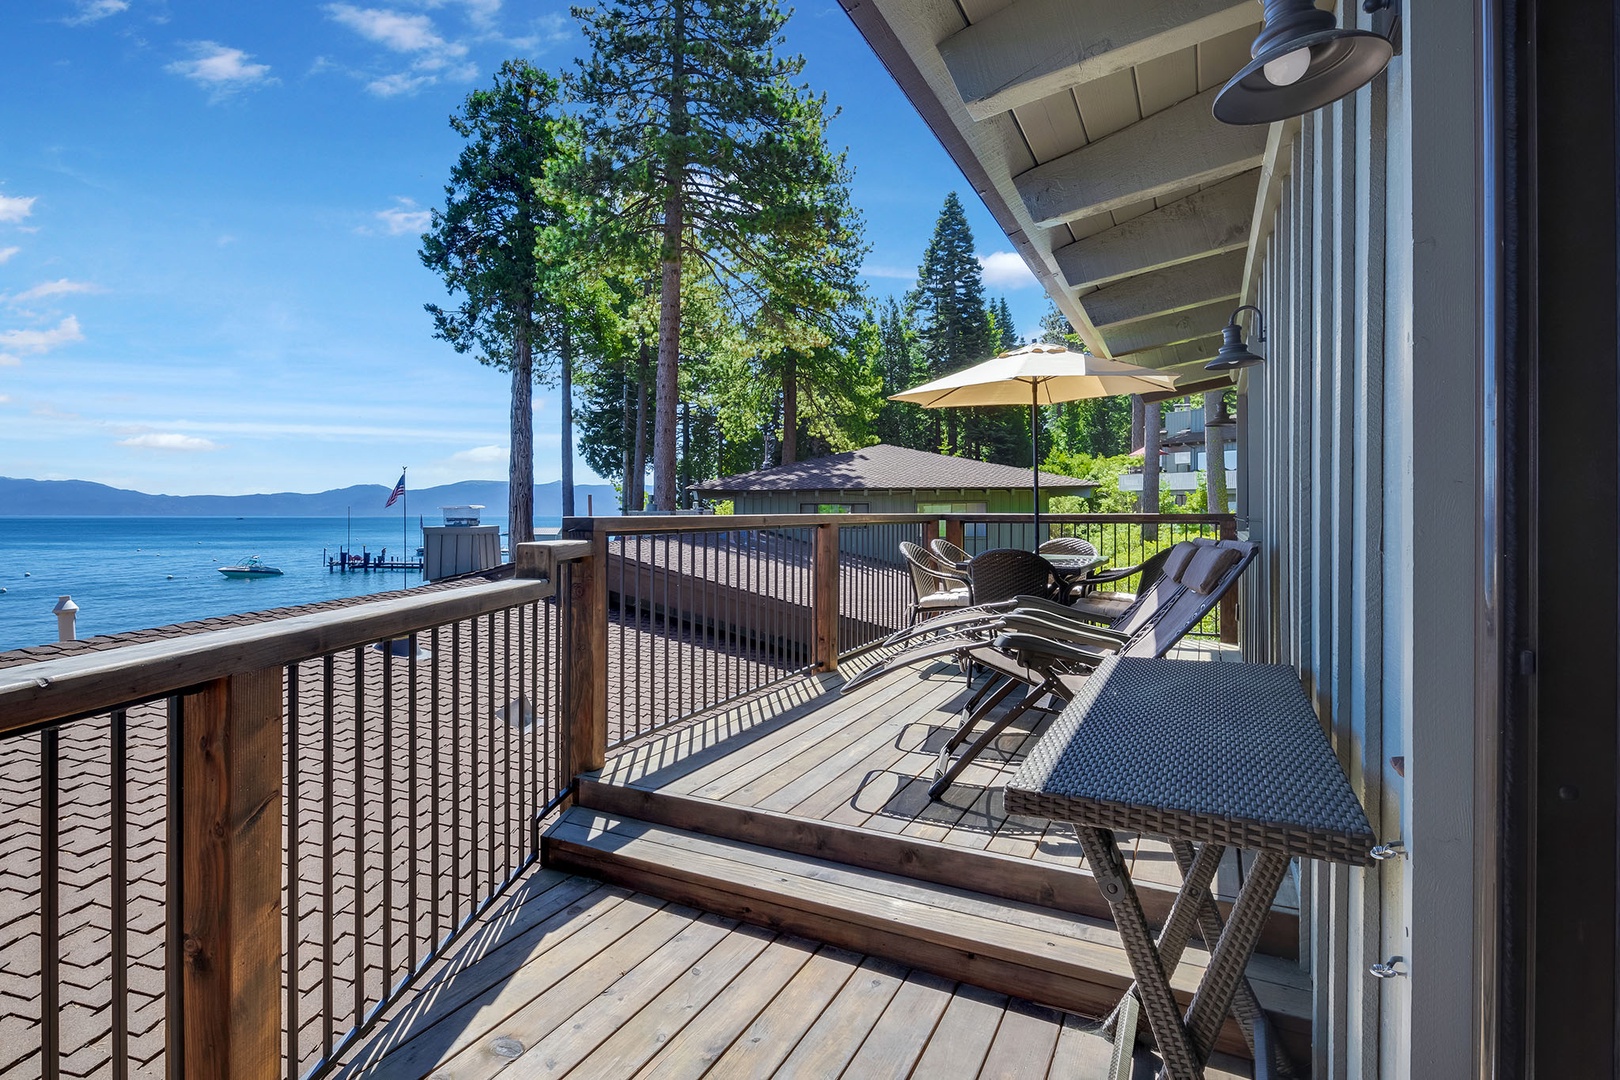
x,y
1206,568
1180,556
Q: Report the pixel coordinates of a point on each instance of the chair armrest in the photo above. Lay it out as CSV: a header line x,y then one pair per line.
x,y
1069,630
1102,577
1045,646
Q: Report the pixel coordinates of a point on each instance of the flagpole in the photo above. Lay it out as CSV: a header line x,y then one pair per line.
x,y
404,501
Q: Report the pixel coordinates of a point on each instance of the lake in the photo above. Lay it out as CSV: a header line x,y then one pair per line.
x,y
130,573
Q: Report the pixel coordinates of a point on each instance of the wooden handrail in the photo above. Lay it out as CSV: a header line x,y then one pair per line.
x,y
693,523
94,682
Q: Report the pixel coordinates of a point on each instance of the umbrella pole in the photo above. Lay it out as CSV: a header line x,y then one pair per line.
x,y
1035,452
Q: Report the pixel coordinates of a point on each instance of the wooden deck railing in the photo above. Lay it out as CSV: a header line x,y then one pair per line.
x,y
397,755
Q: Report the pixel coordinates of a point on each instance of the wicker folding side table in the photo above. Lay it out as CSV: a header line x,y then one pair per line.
x,y
1209,754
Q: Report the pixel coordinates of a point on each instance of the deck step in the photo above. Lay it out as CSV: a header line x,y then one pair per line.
x,y
1055,958
1047,884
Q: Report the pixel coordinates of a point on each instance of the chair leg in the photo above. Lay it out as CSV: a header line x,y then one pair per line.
x,y
977,708
946,774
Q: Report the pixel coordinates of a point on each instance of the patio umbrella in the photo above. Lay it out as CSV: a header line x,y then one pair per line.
x,y
1036,375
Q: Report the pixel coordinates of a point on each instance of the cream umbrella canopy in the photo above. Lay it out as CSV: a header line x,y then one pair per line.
x,y
1035,375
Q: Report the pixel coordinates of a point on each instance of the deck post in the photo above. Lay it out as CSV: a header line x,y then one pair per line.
x,y
582,591
1228,606
824,583
231,909
954,531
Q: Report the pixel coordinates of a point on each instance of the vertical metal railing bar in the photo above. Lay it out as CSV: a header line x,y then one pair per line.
x,y
525,788
119,897
621,700
328,849
457,788
476,772
506,734
436,813
174,1024
359,835
50,936
491,744
294,825
675,678
413,794
387,844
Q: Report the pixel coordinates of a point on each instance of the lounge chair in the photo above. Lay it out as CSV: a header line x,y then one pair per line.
x,y
1052,655
1108,606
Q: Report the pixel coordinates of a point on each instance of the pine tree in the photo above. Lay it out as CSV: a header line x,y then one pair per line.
x,y
706,153
948,308
483,244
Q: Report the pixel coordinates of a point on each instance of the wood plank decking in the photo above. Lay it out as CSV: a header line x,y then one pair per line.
x,y
815,915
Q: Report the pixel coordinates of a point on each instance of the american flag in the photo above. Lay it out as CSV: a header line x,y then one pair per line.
x,y
398,493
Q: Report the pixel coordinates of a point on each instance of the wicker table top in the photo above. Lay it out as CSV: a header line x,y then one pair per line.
x,y
1228,753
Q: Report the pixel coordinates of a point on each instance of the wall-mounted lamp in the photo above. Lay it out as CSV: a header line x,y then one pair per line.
x,y
1222,418
1233,353
1302,61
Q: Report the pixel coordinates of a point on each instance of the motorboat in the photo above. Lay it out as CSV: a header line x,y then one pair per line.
x,y
250,567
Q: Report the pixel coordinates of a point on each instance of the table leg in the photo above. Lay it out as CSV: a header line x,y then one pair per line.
x,y
1153,986
1184,913
1231,953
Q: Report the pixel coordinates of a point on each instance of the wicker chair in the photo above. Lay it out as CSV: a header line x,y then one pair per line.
x,y
1107,607
1003,573
935,586
948,551
1066,545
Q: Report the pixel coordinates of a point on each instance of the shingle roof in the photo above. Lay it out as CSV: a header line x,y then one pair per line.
x,y
885,467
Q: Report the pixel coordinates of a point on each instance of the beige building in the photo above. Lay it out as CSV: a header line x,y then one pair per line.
x,y
1428,453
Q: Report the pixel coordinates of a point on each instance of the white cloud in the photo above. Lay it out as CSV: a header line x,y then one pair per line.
x,y
95,10
38,341
170,441
221,68
6,253
398,83
407,217
5,399
1006,270
414,35
59,287
14,208
479,455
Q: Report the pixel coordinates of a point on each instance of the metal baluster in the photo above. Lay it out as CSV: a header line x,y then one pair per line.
x,y
328,853
388,819
436,779
174,874
294,824
458,784
50,935
359,835
413,793
119,828
494,773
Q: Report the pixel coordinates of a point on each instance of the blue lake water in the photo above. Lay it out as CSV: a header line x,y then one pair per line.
x,y
130,573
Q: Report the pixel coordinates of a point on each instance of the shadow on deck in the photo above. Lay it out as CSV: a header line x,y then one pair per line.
x,y
769,891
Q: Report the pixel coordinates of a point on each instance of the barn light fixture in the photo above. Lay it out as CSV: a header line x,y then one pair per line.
x,y
1222,418
1233,353
1302,61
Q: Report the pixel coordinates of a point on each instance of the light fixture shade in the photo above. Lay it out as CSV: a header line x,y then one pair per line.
x,y
1222,418
1341,62
1233,353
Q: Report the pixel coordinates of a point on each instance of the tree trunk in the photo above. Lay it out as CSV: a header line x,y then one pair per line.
x,y
1149,503
627,489
1214,455
1137,407
790,412
669,300
567,421
520,470
686,454
641,431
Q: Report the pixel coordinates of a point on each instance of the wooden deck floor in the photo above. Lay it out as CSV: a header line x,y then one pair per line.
x,y
571,976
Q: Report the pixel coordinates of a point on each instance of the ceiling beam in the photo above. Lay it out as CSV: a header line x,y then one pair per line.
x,y
1206,222
1164,292
1033,49
1198,351
1166,153
1189,325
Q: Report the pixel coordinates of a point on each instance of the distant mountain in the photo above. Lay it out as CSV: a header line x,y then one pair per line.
x,y
81,498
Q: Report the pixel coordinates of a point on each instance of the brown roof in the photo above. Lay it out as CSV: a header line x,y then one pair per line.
x,y
885,467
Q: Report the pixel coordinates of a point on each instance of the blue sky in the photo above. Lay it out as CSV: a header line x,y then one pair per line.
x,y
209,218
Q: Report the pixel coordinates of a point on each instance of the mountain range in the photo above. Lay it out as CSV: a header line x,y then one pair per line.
x,y
81,498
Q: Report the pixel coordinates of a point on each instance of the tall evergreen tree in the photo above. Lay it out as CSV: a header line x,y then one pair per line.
x,y
900,367
699,141
483,244
948,307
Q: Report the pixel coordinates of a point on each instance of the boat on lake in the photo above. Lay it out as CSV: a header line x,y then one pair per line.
x,y
250,567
